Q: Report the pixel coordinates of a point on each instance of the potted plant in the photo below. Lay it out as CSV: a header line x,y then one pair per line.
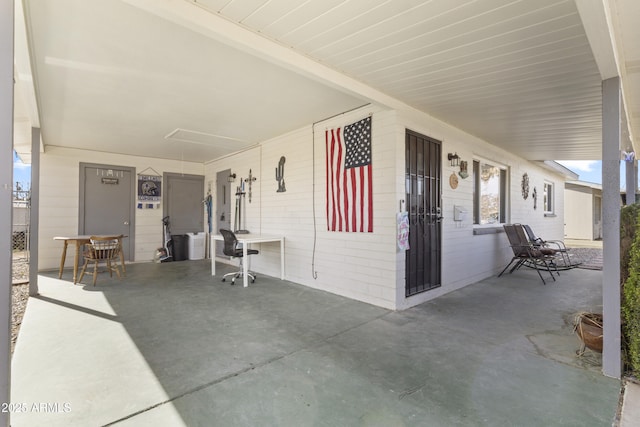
x,y
588,326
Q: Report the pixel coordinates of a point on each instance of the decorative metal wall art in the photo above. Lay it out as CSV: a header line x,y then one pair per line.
x,y
534,195
525,186
280,175
453,181
250,180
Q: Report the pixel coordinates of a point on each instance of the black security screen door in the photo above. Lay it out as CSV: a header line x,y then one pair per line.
x,y
423,187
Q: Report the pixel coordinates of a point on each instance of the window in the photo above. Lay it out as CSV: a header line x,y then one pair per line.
x,y
489,193
548,198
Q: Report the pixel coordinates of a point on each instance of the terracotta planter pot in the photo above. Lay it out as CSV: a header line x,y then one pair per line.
x,y
588,326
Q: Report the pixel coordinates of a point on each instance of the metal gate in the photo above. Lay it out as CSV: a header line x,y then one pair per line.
x,y
20,233
423,187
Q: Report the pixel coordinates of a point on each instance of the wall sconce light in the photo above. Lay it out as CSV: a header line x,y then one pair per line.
x,y
231,177
454,159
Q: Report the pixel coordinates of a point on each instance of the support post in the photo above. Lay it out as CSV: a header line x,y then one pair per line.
x,y
630,181
34,212
6,199
611,134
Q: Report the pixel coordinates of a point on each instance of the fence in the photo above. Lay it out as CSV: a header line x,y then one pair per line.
x,y
20,236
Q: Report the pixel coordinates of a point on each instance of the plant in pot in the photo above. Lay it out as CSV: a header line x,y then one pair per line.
x,y
588,326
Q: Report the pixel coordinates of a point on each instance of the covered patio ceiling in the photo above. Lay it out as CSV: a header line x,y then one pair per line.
x,y
196,80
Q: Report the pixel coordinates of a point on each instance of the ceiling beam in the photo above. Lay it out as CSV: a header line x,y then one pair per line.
x,y
26,114
595,16
598,19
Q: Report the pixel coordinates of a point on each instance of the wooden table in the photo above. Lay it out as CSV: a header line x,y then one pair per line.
x,y
79,242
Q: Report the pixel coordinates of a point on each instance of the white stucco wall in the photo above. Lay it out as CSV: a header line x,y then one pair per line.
x,y
356,265
368,266
59,200
579,213
468,257
364,266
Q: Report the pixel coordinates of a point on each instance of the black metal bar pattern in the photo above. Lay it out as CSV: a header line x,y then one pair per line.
x,y
424,190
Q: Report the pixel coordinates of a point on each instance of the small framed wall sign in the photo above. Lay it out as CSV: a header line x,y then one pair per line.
x,y
149,187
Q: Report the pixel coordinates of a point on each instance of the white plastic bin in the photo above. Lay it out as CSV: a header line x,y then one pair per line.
x,y
196,245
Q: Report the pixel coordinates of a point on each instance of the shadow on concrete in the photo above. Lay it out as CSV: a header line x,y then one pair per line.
x,y
171,345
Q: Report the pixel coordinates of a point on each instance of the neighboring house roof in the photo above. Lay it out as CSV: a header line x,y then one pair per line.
x,y
577,183
556,167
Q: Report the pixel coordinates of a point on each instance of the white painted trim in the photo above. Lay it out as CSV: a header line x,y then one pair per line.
x,y
6,195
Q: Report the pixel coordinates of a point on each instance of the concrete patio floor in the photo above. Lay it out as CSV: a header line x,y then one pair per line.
x,y
169,345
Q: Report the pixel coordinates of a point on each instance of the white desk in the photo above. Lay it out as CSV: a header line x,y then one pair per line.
x,y
246,240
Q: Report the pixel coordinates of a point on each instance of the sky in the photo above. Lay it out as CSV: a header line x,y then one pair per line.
x,y
591,170
21,173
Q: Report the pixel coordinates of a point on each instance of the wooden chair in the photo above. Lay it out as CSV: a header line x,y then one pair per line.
x,y
102,249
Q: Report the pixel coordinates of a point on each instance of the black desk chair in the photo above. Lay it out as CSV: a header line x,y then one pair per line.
x,y
231,249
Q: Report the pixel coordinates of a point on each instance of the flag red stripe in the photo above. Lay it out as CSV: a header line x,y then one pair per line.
x,y
370,199
333,182
338,174
354,216
362,199
328,160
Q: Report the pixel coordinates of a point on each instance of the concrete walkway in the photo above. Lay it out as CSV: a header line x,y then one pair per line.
x,y
630,416
579,243
171,346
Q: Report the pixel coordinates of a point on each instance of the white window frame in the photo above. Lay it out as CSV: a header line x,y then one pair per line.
x,y
504,193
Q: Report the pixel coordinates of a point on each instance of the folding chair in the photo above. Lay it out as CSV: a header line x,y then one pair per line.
x,y
527,254
557,245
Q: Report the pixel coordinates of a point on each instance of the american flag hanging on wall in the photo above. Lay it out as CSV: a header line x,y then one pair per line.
x,y
349,201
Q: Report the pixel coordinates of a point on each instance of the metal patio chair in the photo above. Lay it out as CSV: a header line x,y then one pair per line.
x,y
527,254
557,245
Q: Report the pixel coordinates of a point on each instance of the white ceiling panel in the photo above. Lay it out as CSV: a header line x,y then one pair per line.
x,y
298,16
459,60
110,75
125,74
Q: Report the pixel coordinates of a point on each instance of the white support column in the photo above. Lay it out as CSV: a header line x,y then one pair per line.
x,y
630,181
611,134
34,212
6,204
